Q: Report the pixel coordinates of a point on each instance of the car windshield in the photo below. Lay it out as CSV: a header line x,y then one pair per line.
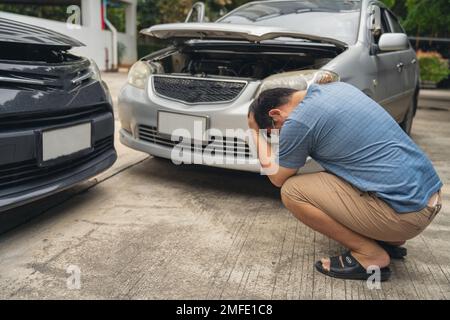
x,y
336,19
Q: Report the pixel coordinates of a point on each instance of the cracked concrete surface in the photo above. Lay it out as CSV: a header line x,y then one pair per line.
x,y
148,229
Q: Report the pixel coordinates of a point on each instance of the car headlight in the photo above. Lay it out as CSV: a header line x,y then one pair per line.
x,y
320,76
94,70
298,80
139,74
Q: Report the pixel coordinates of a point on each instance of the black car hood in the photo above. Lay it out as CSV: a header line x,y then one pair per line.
x,y
21,33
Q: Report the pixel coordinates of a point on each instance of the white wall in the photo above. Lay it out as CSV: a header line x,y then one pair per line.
x,y
97,41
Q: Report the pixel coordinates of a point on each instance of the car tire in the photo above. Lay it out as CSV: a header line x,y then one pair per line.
x,y
407,123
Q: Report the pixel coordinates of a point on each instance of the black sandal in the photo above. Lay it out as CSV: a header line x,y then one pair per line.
x,y
347,267
394,252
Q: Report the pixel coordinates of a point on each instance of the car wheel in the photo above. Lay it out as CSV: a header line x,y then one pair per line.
x,y
409,118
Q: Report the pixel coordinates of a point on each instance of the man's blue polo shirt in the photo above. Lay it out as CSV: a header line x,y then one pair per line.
x,y
353,137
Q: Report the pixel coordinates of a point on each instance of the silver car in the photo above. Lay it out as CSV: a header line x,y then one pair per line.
x,y
205,81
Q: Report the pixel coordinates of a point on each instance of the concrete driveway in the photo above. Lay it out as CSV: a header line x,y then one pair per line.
x,y
150,229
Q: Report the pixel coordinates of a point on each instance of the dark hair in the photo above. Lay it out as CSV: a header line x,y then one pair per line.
x,y
267,101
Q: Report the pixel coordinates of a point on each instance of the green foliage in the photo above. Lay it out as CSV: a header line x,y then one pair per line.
x,y
432,67
53,12
428,17
423,17
117,17
389,3
152,12
121,49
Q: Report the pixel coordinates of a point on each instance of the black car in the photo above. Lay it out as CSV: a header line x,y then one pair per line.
x,y
56,115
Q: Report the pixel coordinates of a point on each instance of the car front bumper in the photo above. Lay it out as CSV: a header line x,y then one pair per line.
x,y
34,191
228,162
139,107
23,179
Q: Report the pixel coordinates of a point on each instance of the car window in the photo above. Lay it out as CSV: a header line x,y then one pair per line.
x,y
395,25
385,27
338,19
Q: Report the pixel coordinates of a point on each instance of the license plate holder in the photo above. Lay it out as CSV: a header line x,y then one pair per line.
x,y
59,144
195,126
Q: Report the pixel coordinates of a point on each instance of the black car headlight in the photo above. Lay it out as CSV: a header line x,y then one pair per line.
x,y
94,70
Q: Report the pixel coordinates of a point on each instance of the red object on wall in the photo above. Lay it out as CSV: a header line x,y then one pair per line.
x,y
102,15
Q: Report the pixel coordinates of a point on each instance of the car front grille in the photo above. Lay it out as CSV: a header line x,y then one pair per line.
x,y
63,77
29,171
219,145
191,90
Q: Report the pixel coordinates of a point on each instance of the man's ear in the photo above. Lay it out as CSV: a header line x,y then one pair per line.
x,y
273,113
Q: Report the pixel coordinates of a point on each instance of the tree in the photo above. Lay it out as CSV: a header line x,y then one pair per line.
x,y
152,12
389,3
398,7
428,18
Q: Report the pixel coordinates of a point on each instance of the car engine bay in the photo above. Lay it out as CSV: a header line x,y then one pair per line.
x,y
256,63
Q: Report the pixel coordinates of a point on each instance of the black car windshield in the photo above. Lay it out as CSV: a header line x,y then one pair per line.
x,y
336,19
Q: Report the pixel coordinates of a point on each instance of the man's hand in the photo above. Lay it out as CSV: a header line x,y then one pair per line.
x,y
277,175
252,122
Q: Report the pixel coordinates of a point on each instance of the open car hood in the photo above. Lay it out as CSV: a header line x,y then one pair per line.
x,y
228,31
21,33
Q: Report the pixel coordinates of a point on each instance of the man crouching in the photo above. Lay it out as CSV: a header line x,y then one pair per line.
x,y
378,189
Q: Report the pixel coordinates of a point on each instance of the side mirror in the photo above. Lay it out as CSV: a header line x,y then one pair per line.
x,y
393,42
198,7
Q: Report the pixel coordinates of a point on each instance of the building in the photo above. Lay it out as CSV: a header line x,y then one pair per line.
x,y
86,21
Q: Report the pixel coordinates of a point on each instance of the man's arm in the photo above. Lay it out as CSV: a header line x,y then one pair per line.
x,y
277,174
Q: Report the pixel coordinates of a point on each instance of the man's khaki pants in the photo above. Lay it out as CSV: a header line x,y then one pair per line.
x,y
359,211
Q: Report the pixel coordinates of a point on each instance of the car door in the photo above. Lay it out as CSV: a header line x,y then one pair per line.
x,y
390,74
408,71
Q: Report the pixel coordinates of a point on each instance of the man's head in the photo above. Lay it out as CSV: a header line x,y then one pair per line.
x,y
272,107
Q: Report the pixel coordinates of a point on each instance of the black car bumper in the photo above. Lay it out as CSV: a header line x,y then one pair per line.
x,y
23,179
32,192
